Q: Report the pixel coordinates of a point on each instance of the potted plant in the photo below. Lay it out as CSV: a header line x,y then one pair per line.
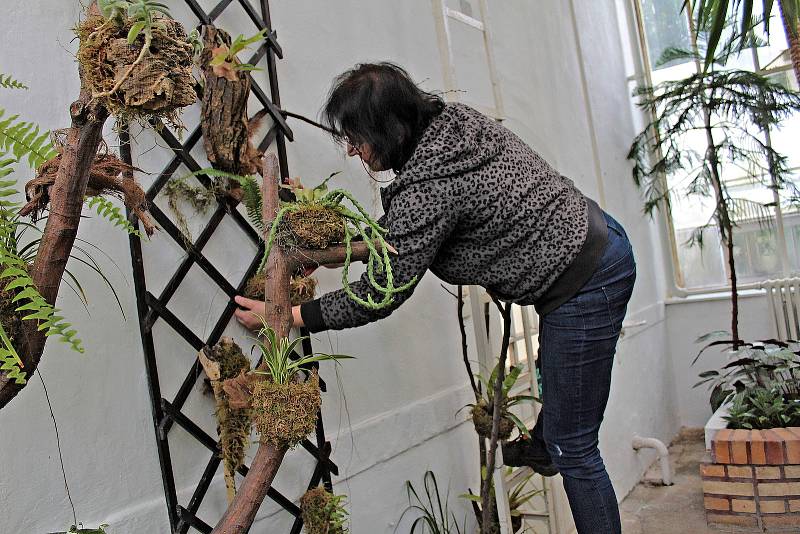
x,y
757,453
137,60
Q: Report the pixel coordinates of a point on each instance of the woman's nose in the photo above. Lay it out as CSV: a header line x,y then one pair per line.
x,y
351,150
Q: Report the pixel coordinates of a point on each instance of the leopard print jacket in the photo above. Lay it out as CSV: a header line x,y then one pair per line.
x,y
474,205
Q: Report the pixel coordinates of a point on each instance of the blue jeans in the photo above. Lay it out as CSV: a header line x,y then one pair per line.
x,y
577,342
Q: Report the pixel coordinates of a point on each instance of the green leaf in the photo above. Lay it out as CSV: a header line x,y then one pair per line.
x,y
134,32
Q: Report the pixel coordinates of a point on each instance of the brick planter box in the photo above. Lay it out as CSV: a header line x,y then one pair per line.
x,y
753,480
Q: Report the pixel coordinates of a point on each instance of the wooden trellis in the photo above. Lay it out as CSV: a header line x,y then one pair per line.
x,y
152,308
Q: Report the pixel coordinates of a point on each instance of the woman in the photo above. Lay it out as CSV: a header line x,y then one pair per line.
x,y
474,205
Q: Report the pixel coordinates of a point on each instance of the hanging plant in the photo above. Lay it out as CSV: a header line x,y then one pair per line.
x,y
137,60
284,405
222,362
323,512
482,410
319,218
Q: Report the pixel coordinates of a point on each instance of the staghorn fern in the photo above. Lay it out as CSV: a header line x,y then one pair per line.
x,y
106,208
22,139
8,82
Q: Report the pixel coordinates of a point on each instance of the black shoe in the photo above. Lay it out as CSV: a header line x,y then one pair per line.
x,y
531,453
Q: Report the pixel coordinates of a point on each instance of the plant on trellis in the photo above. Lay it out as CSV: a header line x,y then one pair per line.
x,y
323,512
319,218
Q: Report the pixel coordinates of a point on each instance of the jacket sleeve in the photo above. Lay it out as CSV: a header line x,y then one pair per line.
x,y
419,220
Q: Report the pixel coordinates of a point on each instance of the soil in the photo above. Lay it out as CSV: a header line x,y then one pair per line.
x,y
286,413
159,85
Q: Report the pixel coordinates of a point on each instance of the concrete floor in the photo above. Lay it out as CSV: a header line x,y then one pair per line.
x,y
677,509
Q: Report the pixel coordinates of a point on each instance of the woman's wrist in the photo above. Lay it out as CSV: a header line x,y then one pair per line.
x,y
297,317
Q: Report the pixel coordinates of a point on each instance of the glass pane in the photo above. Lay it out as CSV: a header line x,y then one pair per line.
x,y
701,266
666,27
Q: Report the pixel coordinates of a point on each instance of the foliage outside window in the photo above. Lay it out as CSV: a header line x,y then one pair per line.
x,y
767,237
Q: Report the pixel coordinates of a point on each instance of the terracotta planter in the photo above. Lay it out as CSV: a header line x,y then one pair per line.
x,y
752,480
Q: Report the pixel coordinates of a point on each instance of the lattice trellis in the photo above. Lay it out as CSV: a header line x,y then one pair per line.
x,y
152,308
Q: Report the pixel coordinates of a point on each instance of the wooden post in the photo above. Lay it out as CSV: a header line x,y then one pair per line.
x,y
66,203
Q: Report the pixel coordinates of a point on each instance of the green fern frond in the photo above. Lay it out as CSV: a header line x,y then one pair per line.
x,y
25,139
15,270
107,209
251,196
7,82
10,362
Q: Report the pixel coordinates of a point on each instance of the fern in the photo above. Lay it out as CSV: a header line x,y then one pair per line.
x,y
251,196
25,139
7,82
107,209
251,192
15,270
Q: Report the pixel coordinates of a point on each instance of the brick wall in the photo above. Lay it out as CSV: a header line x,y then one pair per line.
x,y
753,480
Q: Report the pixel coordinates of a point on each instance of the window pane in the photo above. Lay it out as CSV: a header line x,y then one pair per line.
x,y
666,27
701,266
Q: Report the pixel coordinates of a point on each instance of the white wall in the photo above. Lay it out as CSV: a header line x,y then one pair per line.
x,y
403,391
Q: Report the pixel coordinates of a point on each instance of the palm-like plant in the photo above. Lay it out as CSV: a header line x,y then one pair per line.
x,y
732,110
713,15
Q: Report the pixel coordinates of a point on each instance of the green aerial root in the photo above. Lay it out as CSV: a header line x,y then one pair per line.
x,y
357,223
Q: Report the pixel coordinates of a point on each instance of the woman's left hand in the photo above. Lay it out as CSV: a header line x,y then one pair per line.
x,y
254,310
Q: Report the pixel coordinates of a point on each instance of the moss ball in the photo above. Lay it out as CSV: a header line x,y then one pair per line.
x,y
286,413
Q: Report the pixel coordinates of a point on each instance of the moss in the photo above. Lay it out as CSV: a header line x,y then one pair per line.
x,y
320,510
234,424
286,413
301,288
157,86
482,419
312,226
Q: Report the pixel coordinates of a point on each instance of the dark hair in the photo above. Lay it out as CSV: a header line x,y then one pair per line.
x,y
379,104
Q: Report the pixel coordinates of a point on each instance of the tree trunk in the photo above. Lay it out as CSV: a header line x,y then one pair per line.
x,y
722,214
487,505
793,39
278,315
66,203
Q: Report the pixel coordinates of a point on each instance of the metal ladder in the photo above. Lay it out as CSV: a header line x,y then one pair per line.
x,y
523,347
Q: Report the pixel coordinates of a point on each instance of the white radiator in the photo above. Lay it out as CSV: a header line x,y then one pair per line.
x,y
784,307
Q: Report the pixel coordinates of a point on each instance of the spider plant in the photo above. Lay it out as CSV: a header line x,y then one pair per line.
x,y
279,356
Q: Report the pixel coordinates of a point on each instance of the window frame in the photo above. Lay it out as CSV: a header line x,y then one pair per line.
x,y
675,271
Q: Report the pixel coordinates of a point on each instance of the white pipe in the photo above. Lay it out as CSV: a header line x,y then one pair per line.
x,y
663,455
